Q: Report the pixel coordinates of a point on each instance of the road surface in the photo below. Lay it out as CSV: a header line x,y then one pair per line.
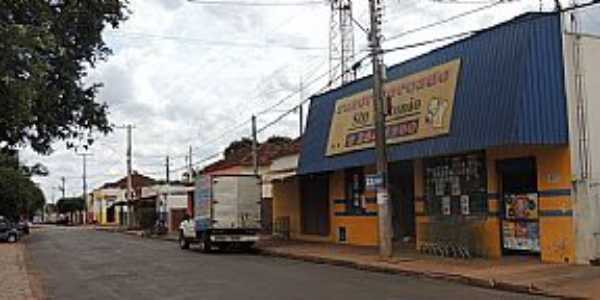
x,y
86,264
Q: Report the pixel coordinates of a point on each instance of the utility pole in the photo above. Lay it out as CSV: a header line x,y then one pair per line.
x,y
129,195
84,180
190,169
168,177
301,108
384,212
62,187
254,146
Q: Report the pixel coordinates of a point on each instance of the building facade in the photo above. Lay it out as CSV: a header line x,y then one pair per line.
x,y
490,145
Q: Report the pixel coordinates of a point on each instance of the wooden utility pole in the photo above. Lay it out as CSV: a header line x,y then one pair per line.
x,y
384,211
190,168
301,109
84,181
129,194
62,187
254,146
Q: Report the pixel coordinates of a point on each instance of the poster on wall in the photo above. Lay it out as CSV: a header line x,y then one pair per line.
x,y
521,206
521,235
464,205
446,206
418,106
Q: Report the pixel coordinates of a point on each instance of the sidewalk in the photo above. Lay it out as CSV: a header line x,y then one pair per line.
x,y
14,282
517,274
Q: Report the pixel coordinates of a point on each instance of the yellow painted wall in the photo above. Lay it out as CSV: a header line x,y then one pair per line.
x,y
556,233
360,230
553,173
286,203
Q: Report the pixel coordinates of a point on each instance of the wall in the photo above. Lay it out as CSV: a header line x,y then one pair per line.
x,y
360,230
557,238
100,204
286,203
556,222
586,190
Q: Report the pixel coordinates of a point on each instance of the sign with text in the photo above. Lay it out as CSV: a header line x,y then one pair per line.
x,y
373,182
417,106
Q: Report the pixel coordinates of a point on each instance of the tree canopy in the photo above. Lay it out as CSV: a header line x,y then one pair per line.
x,y
70,205
46,49
20,196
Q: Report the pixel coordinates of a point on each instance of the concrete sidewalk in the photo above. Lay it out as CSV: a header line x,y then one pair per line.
x,y
517,274
14,280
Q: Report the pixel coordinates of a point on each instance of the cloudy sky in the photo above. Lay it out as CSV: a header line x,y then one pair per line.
x,y
191,74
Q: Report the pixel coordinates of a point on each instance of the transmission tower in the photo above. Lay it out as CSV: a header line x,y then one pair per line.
x,y
341,43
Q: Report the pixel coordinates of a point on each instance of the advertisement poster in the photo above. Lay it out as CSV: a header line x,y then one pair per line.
x,y
521,235
418,106
521,207
464,205
446,206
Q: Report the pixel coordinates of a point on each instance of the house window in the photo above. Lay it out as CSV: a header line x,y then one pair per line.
x,y
355,191
456,185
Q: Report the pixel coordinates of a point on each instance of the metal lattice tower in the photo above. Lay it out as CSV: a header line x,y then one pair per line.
x,y
341,43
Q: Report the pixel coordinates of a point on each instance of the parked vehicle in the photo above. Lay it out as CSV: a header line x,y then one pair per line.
x,y
8,231
23,226
227,213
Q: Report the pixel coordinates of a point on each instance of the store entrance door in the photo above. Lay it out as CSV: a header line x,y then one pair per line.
x,y
401,189
519,206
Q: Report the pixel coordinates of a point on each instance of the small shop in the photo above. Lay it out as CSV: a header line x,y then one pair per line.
x,y
479,157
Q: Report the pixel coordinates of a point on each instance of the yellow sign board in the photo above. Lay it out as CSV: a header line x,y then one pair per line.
x,y
418,106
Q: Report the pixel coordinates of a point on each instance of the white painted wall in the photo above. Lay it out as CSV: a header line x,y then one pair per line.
x,y
586,192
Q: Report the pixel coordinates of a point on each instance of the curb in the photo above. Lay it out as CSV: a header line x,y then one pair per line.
x,y
450,277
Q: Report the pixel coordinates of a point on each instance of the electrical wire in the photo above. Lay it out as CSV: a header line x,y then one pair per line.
x,y
447,20
258,4
212,43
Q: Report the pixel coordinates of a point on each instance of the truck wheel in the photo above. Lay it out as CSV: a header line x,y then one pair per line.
x,y
183,243
12,238
206,244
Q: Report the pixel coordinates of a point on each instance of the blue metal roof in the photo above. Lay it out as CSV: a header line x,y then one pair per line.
x,y
510,91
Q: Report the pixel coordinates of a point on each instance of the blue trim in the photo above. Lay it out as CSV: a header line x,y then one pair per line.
x,y
556,213
365,214
555,193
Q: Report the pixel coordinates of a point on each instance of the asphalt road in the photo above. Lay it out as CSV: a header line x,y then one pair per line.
x,y
87,264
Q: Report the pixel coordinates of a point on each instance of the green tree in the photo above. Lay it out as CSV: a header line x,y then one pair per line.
x,y
20,197
46,48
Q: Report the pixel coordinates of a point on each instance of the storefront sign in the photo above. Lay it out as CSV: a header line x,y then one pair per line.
x,y
372,182
417,106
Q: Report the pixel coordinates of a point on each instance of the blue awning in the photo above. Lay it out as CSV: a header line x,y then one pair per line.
x,y
511,91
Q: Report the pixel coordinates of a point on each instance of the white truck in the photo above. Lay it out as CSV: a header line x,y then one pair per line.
x,y
226,213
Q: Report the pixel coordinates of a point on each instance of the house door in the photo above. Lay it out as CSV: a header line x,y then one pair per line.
x,y
519,206
401,189
110,214
314,207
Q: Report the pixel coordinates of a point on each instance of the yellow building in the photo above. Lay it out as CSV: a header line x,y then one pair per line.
x,y
104,206
488,144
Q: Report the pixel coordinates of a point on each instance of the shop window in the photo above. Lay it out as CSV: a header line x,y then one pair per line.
x,y
456,185
355,191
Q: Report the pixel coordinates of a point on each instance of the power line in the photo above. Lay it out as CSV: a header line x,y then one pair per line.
x,y
249,3
211,43
447,20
